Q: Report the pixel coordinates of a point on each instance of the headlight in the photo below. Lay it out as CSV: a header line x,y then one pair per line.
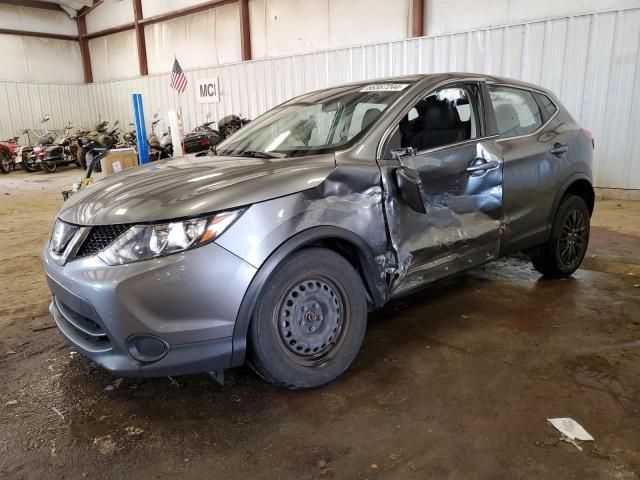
x,y
144,242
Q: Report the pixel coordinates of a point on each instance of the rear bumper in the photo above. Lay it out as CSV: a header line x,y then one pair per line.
x,y
187,303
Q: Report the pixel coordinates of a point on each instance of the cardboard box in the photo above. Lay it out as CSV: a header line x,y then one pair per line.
x,y
119,160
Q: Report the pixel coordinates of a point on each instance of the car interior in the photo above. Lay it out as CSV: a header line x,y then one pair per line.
x,y
440,119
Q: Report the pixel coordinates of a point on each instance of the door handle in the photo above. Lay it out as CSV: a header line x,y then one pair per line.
x,y
481,166
559,149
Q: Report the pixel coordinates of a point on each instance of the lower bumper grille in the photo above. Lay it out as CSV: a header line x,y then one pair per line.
x,y
81,330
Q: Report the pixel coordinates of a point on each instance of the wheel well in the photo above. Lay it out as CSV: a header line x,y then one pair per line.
x,y
350,252
583,189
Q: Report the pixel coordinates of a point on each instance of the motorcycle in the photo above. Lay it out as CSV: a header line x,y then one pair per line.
x,y
62,152
231,124
159,149
203,137
8,150
34,156
103,138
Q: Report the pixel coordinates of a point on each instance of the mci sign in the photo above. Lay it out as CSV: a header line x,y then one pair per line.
x,y
207,90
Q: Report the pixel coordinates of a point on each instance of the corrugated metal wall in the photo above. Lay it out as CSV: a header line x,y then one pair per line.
x,y
590,61
22,105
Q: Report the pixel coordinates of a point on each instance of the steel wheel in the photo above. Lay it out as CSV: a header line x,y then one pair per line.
x,y
311,319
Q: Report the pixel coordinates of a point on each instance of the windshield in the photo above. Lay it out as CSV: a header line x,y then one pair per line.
x,y
317,123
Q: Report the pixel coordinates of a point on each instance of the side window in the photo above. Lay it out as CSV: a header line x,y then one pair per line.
x,y
442,118
517,112
547,107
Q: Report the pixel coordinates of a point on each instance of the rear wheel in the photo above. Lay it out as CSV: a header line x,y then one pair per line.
x,y
310,321
5,162
563,253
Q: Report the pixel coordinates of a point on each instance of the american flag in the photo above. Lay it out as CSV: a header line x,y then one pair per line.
x,y
178,80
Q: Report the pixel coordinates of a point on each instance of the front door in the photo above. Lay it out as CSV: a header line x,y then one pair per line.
x,y
443,183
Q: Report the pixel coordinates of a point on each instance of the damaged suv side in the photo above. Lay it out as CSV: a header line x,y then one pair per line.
x,y
275,248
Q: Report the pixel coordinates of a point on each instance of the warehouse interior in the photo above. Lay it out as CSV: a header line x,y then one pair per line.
x,y
455,380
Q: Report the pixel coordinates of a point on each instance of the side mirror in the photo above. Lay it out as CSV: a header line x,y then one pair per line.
x,y
117,123
155,115
46,118
408,182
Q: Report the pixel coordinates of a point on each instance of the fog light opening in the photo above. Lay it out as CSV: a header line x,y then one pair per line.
x,y
146,348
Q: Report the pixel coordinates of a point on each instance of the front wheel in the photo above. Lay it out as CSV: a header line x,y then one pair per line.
x,y
5,162
28,164
310,321
49,166
563,253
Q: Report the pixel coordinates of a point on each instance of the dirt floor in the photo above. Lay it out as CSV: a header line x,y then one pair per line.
x,y
454,382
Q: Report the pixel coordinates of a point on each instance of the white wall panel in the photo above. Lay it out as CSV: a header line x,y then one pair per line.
x,y
40,59
208,38
151,8
114,56
108,14
36,20
447,16
286,27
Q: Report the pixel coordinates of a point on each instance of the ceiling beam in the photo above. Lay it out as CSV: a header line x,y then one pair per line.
x,y
140,38
25,33
34,4
185,11
417,29
108,31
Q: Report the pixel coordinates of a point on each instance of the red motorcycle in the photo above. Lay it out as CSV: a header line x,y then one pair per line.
x,y
8,150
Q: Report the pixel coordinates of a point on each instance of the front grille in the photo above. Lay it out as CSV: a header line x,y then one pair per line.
x,y
99,238
86,333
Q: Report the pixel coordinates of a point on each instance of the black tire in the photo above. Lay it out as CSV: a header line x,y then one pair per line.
x,y
28,165
5,162
49,167
310,320
563,253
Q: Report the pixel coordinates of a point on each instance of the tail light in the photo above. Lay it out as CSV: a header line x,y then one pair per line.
x,y
589,136
205,143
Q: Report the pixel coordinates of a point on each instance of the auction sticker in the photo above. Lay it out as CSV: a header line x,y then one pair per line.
x,y
385,87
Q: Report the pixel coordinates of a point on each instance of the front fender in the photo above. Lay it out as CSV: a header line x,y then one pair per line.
x,y
371,271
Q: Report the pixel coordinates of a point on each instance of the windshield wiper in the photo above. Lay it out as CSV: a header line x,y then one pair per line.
x,y
258,154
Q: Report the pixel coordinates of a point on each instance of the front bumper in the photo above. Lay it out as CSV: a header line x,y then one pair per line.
x,y
188,301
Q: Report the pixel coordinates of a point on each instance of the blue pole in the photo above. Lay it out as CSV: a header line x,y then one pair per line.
x,y
141,130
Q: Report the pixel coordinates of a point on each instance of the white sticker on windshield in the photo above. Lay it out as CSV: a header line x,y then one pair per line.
x,y
385,87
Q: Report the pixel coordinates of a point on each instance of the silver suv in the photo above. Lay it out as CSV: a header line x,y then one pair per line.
x,y
274,248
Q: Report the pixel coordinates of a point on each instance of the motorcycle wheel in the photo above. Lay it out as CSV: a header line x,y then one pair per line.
x,y
49,167
28,165
5,162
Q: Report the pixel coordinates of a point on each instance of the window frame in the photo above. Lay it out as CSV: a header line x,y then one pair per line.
x,y
530,90
481,108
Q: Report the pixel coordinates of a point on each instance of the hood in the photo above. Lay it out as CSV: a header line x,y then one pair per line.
x,y
189,186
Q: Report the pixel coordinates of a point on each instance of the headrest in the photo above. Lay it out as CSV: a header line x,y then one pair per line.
x,y
441,115
507,118
368,117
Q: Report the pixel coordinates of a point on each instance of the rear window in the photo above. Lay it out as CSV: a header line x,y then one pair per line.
x,y
516,110
547,107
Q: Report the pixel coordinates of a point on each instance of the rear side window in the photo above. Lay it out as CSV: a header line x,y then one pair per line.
x,y
516,110
547,107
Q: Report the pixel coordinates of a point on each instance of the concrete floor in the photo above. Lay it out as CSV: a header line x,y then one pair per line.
x,y
454,382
